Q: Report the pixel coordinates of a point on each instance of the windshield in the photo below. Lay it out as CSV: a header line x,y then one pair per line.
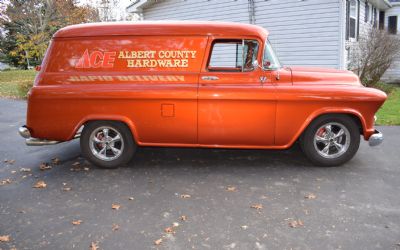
x,y
270,59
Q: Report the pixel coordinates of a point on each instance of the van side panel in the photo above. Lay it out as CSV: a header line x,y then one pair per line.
x,y
151,81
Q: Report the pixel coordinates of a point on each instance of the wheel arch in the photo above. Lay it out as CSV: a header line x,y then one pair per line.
x,y
117,118
353,114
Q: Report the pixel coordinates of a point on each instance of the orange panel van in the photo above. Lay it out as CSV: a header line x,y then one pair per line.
x,y
192,84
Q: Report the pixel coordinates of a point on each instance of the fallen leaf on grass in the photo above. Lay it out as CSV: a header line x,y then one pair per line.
x,y
4,182
310,196
231,189
115,206
115,227
185,196
158,242
296,223
5,238
44,166
183,218
169,230
76,222
40,184
25,170
9,161
55,161
257,206
94,246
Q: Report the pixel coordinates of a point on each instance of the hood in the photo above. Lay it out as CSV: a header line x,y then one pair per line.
x,y
312,75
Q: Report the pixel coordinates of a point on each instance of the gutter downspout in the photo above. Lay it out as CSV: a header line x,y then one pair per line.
x,y
342,31
252,12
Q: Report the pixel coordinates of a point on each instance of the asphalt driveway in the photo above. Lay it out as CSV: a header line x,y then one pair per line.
x,y
196,198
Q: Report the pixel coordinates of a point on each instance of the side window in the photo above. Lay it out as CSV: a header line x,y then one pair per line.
x,y
233,56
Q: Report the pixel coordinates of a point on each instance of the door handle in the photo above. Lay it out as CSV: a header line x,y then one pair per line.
x,y
210,78
263,79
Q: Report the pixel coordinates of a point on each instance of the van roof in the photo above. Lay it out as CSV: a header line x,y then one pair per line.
x,y
159,28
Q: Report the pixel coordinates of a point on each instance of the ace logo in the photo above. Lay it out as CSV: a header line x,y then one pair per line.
x,y
96,59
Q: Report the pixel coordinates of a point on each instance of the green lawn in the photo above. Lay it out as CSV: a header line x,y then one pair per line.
x,y
9,81
389,114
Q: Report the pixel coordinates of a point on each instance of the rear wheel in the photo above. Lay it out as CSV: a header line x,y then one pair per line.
x,y
331,140
107,144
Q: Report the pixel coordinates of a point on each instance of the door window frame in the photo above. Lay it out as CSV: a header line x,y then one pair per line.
x,y
215,39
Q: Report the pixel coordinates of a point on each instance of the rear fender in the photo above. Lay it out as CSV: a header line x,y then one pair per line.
x,y
123,119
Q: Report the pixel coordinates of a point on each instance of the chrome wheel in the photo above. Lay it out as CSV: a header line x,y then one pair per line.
x,y
106,143
332,140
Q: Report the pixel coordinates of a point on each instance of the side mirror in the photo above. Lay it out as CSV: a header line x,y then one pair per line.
x,y
266,64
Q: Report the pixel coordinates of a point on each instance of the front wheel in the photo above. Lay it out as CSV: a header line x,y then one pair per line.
x,y
331,140
107,144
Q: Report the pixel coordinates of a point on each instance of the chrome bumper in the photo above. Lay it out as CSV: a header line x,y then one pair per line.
x,y
25,133
375,139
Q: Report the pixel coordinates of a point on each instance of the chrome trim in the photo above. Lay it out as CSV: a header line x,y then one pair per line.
x,y
30,141
24,132
39,142
375,139
210,78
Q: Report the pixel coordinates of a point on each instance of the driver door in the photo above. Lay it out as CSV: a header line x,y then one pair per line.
x,y
236,105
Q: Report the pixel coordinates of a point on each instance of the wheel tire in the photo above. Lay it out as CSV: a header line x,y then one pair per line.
x,y
310,150
128,147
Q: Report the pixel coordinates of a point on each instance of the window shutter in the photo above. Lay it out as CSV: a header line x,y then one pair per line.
x,y
347,19
358,19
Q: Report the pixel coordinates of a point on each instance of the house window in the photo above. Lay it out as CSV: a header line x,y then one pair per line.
x,y
233,55
374,21
381,20
392,25
353,19
366,13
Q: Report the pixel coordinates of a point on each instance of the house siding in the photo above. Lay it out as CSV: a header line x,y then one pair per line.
x,y
302,32
393,73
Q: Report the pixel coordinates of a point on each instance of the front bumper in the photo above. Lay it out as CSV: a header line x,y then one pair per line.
x,y
375,139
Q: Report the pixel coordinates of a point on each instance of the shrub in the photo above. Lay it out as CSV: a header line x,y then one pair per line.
x,y
387,88
373,55
24,87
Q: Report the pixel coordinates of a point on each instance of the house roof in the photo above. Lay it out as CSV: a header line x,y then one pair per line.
x,y
381,4
139,5
160,28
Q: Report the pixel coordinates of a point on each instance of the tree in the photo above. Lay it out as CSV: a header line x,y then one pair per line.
x,y
373,55
107,10
28,26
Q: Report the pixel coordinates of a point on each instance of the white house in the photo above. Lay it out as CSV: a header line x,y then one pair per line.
x,y
303,32
393,23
